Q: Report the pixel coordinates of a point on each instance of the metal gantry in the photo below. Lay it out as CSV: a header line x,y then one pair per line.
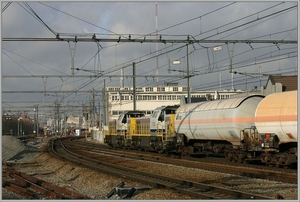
x,y
144,40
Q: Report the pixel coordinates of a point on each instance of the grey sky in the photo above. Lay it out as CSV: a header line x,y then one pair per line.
x,y
271,20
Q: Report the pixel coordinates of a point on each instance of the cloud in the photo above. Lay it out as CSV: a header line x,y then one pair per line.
x,y
176,20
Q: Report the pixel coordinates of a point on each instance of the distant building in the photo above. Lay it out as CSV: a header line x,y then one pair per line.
x,y
74,121
280,84
117,100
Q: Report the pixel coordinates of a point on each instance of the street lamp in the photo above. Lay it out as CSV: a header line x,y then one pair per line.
x,y
19,126
36,107
176,62
218,48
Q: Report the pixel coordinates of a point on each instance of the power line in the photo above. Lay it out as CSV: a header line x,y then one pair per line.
x,y
78,18
6,6
36,16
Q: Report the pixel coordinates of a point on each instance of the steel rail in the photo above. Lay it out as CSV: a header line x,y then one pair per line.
x,y
46,189
194,189
289,177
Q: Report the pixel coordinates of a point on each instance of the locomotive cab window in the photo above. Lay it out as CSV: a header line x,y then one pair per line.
x,y
161,116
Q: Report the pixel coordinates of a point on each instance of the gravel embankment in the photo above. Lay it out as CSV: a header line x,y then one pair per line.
x,y
33,161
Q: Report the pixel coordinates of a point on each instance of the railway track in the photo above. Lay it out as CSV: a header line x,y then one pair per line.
x,y
194,189
34,188
253,171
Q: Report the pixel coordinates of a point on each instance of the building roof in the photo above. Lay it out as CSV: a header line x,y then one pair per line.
x,y
289,83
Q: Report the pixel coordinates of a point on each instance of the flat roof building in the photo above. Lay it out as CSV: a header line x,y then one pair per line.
x,y
117,100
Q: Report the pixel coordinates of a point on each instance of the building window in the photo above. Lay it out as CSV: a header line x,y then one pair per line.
x,y
114,97
175,89
148,112
159,97
161,89
149,89
184,88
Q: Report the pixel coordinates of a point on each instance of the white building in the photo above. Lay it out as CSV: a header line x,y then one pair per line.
x,y
117,100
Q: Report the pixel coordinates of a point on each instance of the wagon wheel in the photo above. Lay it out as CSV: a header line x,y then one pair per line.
x,y
245,161
277,165
161,151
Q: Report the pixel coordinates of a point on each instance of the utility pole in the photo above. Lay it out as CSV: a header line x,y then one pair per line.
x,y
105,108
72,52
100,125
37,119
134,87
93,109
18,127
56,117
230,53
188,75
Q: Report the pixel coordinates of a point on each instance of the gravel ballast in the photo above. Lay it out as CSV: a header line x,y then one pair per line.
x,y
34,160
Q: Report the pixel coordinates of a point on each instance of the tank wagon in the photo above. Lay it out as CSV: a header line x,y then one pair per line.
x,y
276,121
218,127
243,129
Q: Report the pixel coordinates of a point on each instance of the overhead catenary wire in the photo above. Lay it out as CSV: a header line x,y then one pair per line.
x,y
36,16
6,6
79,19
246,23
216,9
